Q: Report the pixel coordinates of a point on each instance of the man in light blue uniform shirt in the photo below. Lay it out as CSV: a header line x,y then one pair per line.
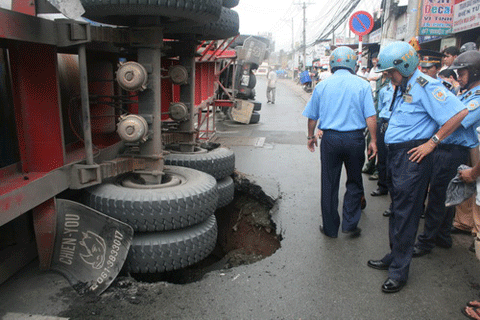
x,y
343,107
421,105
449,155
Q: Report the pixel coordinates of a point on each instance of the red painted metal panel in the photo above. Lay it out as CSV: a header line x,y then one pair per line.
x,y
103,115
167,90
37,111
198,84
44,221
24,6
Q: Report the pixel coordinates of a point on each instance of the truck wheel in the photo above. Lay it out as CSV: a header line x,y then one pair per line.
x,y
255,118
226,191
128,12
219,162
230,3
188,197
222,28
252,81
153,252
257,106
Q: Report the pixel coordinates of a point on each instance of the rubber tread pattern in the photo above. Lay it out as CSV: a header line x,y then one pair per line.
x,y
166,251
115,11
219,162
225,27
230,3
257,105
162,209
226,191
255,118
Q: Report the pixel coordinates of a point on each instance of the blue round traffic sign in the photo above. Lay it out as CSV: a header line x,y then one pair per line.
x,y
361,23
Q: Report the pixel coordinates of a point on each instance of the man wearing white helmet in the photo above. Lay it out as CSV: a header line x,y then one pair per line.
x,y
424,113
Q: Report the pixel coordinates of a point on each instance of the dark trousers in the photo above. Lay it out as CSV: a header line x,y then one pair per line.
x,y
438,219
336,149
382,155
409,182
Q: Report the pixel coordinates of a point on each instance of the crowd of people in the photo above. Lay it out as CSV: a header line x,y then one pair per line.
x,y
421,111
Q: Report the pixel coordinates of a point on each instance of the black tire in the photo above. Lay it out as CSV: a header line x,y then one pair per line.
x,y
219,162
252,81
129,12
154,252
159,209
255,118
230,3
224,27
257,106
226,191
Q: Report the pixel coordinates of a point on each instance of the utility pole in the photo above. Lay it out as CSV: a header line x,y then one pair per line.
x,y
304,36
293,52
304,7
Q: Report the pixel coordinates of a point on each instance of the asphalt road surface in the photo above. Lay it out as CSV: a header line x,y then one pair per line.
x,y
309,277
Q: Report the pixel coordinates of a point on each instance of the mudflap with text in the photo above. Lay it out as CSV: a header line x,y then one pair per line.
x,y
90,247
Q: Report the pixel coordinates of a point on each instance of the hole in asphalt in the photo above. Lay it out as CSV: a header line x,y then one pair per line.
x,y
246,234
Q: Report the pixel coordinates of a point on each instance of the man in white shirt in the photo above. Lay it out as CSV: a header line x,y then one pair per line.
x,y
271,85
374,75
325,73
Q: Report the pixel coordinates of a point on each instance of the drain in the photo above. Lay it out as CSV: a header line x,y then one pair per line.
x,y
246,234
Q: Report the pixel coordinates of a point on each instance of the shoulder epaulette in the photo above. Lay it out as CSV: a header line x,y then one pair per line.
x,y
422,81
477,93
468,94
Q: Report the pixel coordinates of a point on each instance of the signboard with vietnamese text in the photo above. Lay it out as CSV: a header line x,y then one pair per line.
x,y
437,17
466,15
375,36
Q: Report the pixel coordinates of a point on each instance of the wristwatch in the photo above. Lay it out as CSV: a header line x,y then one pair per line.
x,y
435,139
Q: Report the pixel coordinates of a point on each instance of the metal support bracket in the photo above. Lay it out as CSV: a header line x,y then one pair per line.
x,y
83,175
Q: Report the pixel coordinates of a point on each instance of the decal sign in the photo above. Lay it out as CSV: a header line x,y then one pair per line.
x,y
437,17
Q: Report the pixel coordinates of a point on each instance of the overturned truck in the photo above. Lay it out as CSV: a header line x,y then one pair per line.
x,y
106,160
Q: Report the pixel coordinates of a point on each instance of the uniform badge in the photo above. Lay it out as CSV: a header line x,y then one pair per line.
x,y
473,105
407,98
440,94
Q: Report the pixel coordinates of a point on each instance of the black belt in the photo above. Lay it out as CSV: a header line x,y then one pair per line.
x,y
406,144
352,131
449,147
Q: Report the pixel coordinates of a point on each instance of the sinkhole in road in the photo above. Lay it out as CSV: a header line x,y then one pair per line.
x,y
246,234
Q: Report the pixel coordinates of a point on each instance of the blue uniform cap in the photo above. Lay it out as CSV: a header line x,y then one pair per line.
x,y
343,57
398,55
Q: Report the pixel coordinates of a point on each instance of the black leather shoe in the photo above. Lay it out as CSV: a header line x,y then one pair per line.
x,y
458,231
391,286
387,213
378,192
363,203
323,232
419,252
377,264
354,233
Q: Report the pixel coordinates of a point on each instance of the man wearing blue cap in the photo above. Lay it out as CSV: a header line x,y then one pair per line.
x,y
343,106
424,113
